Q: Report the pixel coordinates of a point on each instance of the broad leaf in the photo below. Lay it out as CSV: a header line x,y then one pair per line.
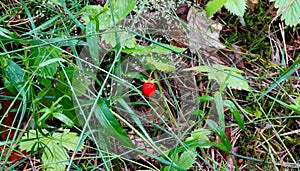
x,y
290,10
160,63
124,38
236,7
123,7
198,138
15,76
45,61
225,76
205,98
213,6
54,157
109,125
67,139
187,159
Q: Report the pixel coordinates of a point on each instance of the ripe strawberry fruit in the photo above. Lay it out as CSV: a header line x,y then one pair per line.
x,y
148,88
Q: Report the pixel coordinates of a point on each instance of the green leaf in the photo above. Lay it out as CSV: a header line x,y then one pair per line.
x,y
110,125
63,118
124,38
55,157
236,7
290,10
15,76
51,61
136,75
30,140
5,33
123,8
205,98
67,139
187,159
45,60
160,63
198,138
145,50
225,76
297,103
235,113
92,40
220,108
214,126
213,6
96,12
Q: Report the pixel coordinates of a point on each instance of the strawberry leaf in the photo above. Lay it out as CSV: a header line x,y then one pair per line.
x,y
213,6
55,157
54,147
290,11
225,76
236,7
124,38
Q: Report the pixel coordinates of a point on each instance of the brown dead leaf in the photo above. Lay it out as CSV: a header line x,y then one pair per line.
x,y
203,33
14,155
252,4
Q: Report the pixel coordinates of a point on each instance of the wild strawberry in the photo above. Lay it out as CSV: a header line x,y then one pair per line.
x,y
148,88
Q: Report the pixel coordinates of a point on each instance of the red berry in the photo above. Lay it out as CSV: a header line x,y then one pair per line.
x,y
148,88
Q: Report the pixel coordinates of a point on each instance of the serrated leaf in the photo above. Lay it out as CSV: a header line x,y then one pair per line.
x,y
15,75
30,140
41,56
55,157
96,12
213,6
67,139
161,63
236,7
225,76
237,81
198,138
290,11
186,160
121,9
124,38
